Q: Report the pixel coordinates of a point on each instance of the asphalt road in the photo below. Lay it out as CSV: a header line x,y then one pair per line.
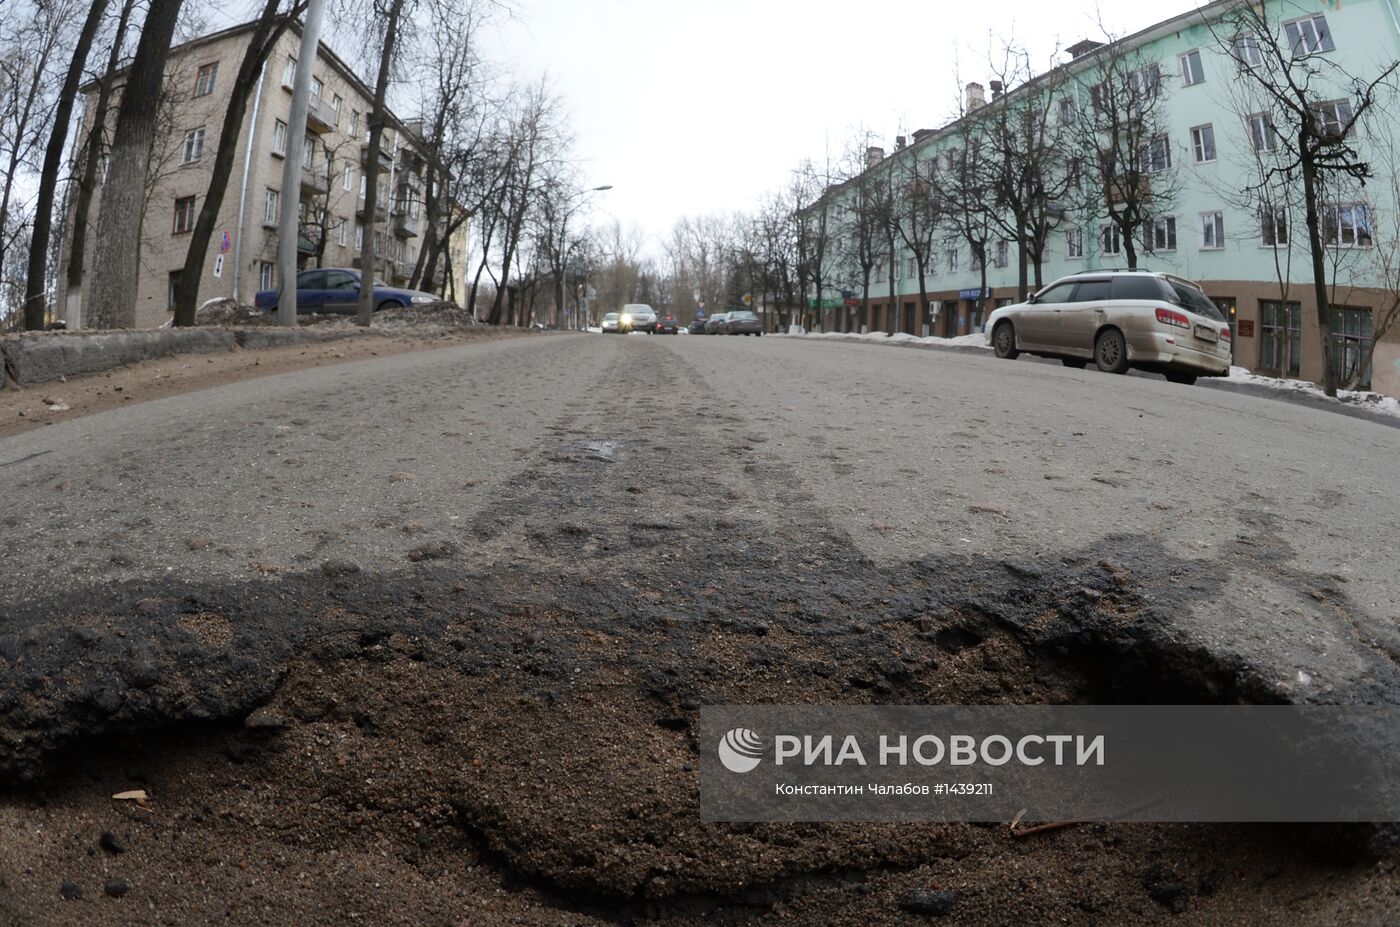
x,y
620,529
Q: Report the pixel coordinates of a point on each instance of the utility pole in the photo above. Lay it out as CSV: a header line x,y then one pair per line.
x,y
287,229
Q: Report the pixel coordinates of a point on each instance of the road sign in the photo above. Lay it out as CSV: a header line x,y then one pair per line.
x,y
748,299
225,243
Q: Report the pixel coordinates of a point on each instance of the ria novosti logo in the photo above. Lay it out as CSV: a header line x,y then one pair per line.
x,y
740,750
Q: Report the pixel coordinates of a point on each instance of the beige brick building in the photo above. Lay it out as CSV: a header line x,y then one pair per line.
x,y
242,259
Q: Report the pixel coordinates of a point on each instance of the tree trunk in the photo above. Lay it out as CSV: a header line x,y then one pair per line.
x,y
1319,268
369,259
422,271
265,35
77,237
116,266
35,278
1022,269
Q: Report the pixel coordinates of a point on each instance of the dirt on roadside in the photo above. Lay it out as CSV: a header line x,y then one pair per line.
x,y
42,404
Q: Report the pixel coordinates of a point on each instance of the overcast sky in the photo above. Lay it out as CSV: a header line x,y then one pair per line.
x,y
690,107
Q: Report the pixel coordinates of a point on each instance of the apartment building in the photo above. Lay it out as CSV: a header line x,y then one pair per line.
x,y
334,230
1254,263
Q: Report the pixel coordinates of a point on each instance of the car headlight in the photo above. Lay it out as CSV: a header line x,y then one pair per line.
x,y
626,318
419,300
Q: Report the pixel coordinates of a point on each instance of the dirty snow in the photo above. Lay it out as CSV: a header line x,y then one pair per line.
x,y
1375,402
975,340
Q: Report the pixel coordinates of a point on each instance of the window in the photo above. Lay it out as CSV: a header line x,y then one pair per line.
x,y
279,137
1280,337
340,233
911,268
1146,82
184,215
1156,155
1212,230
267,276
952,256
359,237
1347,225
349,182
335,108
193,148
931,264
1074,243
362,186
1160,234
272,207
354,123
1111,240
172,284
1067,111
289,72
975,259
1191,70
1001,257
1351,342
1333,117
1308,35
1135,286
1245,50
880,270
1203,144
1273,226
1262,134
308,153
204,79
316,87
1061,293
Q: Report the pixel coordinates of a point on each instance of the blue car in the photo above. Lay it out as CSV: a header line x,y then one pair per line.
x,y
336,290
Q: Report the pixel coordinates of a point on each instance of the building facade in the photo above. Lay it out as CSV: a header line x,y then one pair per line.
x,y
334,230
1206,226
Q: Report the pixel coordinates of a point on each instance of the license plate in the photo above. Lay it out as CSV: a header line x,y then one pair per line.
x,y
1206,333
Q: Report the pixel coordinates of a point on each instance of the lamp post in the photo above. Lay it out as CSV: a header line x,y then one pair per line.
x,y
563,250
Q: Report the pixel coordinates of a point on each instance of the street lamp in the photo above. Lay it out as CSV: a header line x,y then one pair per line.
x,y
581,302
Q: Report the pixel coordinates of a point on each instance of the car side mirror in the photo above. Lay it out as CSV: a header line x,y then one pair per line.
x,y
1031,300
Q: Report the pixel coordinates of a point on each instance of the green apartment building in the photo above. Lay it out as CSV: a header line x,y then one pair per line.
x,y
1214,203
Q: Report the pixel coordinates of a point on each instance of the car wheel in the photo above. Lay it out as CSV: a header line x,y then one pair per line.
x,y
1111,352
1186,379
1078,363
1004,341
759,334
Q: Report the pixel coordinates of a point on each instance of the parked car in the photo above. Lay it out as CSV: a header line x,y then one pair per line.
x,y
743,322
612,323
667,325
717,324
1118,319
638,317
336,290
698,326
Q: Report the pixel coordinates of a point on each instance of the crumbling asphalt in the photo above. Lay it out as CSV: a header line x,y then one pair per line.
x,y
448,667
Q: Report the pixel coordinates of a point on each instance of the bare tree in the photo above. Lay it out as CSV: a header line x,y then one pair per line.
x,y
268,29
89,161
919,204
1308,110
813,213
1123,128
29,41
971,216
36,289
116,262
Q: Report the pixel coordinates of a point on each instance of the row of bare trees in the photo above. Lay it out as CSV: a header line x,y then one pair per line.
x,y
494,153
1082,152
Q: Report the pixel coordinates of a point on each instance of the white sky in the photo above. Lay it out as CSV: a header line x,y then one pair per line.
x,y
696,106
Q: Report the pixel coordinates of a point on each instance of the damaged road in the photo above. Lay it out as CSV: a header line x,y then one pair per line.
x,y
447,666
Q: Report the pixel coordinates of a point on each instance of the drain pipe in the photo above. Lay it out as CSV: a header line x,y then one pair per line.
x,y
243,191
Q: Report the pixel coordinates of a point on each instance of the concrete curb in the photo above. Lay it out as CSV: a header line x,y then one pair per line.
x,y
39,357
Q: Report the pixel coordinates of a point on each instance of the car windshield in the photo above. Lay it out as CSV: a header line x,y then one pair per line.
x,y
610,317
1196,301
742,315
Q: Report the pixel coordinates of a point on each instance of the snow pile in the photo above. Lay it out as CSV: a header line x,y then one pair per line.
x,y
1375,402
975,340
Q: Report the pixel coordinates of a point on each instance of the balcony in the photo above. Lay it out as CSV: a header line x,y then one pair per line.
x,y
386,159
305,245
412,180
314,183
381,212
320,116
406,226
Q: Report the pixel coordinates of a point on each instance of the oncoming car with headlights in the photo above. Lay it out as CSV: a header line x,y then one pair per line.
x,y
1118,319
638,317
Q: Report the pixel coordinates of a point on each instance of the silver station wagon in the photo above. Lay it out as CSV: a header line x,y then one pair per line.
x,y
1118,319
